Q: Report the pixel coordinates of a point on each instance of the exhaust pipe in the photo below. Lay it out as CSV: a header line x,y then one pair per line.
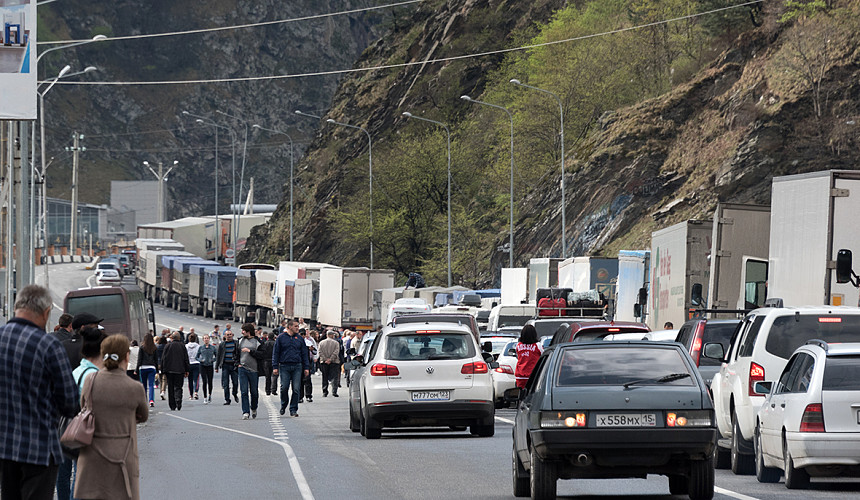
x,y
584,460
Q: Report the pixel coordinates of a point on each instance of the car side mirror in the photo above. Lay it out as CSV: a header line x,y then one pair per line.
x,y
696,298
487,346
714,350
763,387
493,365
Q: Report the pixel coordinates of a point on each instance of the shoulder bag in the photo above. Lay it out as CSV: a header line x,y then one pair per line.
x,y
79,432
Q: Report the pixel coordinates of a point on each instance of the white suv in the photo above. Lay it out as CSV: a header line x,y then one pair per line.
x,y
426,374
810,422
760,348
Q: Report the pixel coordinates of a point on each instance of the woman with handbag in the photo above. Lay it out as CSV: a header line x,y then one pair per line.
x,y
108,468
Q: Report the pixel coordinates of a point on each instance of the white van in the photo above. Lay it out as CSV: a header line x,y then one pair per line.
x,y
404,306
510,315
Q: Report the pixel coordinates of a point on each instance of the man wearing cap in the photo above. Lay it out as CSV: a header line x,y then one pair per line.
x,y
74,343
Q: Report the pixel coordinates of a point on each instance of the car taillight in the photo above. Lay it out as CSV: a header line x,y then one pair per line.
x,y
813,419
383,370
556,419
505,369
756,375
696,346
476,367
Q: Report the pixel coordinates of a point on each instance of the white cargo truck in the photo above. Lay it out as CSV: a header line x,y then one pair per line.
x,y
289,272
679,265
265,283
633,269
813,216
515,285
543,273
346,296
589,273
741,237
306,299
196,233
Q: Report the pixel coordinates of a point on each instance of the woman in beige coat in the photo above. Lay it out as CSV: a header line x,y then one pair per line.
x,y
108,469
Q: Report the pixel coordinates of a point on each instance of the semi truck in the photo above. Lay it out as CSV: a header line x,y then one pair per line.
x,y
739,258
633,269
582,274
515,285
149,271
306,299
346,296
679,272
197,234
290,271
218,291
266,280
812,218
182,282
543,273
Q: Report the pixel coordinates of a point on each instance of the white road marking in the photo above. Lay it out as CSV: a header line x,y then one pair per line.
x,y
507,421
730,493
301,482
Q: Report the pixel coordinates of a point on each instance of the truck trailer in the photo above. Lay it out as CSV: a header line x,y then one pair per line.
x,y
741,240
346,296
218,291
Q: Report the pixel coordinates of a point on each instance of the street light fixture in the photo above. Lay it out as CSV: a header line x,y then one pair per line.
x,y
291,180
370,160
448,132
237,217
161,175
561,115
511,238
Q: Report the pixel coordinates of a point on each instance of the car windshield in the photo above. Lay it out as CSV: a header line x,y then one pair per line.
x,y
622,365
417,346
790,332
842,373
499,343
549,326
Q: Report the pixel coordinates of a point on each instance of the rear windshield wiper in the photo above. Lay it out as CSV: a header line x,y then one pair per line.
x,y
662,380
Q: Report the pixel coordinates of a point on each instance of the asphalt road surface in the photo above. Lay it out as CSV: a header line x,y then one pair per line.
x,y
207,451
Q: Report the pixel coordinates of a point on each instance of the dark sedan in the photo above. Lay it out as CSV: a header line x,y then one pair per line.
x,y
614,410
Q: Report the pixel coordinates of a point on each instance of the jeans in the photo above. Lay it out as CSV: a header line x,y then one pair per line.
x,y
193,379
65,477
228,372
174,390
20,480
249,380
271,383
307,388
330,373
207,374
147,377
291,377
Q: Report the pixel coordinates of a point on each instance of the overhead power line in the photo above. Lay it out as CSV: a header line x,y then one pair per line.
x,y
242,26
420,62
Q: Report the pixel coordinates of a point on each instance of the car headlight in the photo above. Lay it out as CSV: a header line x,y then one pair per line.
x,y
562,419
687,418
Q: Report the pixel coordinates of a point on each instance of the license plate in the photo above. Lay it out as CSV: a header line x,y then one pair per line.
x,y
626,420
431,395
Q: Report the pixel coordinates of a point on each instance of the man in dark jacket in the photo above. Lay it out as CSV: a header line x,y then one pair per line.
x,y
290,356
228,358
271,381
175,364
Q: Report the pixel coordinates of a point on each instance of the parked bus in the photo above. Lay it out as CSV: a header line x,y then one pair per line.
x,y
124,309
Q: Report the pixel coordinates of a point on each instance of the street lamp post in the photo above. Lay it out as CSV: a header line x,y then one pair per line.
x,y
204,120
291,180
370,160
161,175
448,132
563,206
511,238
237,217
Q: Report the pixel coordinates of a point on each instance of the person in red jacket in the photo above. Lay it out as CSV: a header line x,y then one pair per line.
x,y
528,353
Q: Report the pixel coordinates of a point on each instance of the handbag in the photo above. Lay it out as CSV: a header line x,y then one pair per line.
x,y
79,432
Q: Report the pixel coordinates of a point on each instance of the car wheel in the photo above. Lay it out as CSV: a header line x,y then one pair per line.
x,y
762,473
678,485
701,482
372,430
741,464
794,478
484,428
543,478
362,424
519,474
353,422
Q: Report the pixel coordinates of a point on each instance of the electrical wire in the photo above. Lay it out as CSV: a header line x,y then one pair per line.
x,y
420,62
241,26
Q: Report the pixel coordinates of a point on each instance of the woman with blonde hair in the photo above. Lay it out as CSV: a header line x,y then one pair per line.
x,y
108,468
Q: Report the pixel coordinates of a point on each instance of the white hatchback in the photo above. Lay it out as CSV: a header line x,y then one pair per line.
x,y
426,374
809,424
504,376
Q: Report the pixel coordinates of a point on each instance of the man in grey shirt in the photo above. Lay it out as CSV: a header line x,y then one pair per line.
x,y
248,379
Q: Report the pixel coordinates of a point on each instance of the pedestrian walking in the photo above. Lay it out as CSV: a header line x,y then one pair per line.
x,y
175,365
228,356
37,388
147,366
215,336
206,356
161,377
307,391
109,468
271,382
132,360
250,350
290,355
64,329
64,332
194,366
329,350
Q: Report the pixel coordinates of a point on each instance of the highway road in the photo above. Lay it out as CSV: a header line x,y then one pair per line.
x,y
207,451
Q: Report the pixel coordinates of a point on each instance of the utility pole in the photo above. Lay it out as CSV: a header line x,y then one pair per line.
x,y
75,149
161,176
23,171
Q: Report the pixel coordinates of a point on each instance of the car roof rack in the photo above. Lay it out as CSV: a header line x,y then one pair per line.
x,y
820,343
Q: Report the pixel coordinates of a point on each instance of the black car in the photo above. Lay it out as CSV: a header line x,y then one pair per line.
x,y
614,410
695,334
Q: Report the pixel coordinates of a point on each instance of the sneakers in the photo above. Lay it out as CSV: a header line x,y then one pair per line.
x,y
236,397
245,416
335,395
151,403
205,401
283,409
226,403
310,399
294,414
253,413
301,401
209,399
196,396
162,396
